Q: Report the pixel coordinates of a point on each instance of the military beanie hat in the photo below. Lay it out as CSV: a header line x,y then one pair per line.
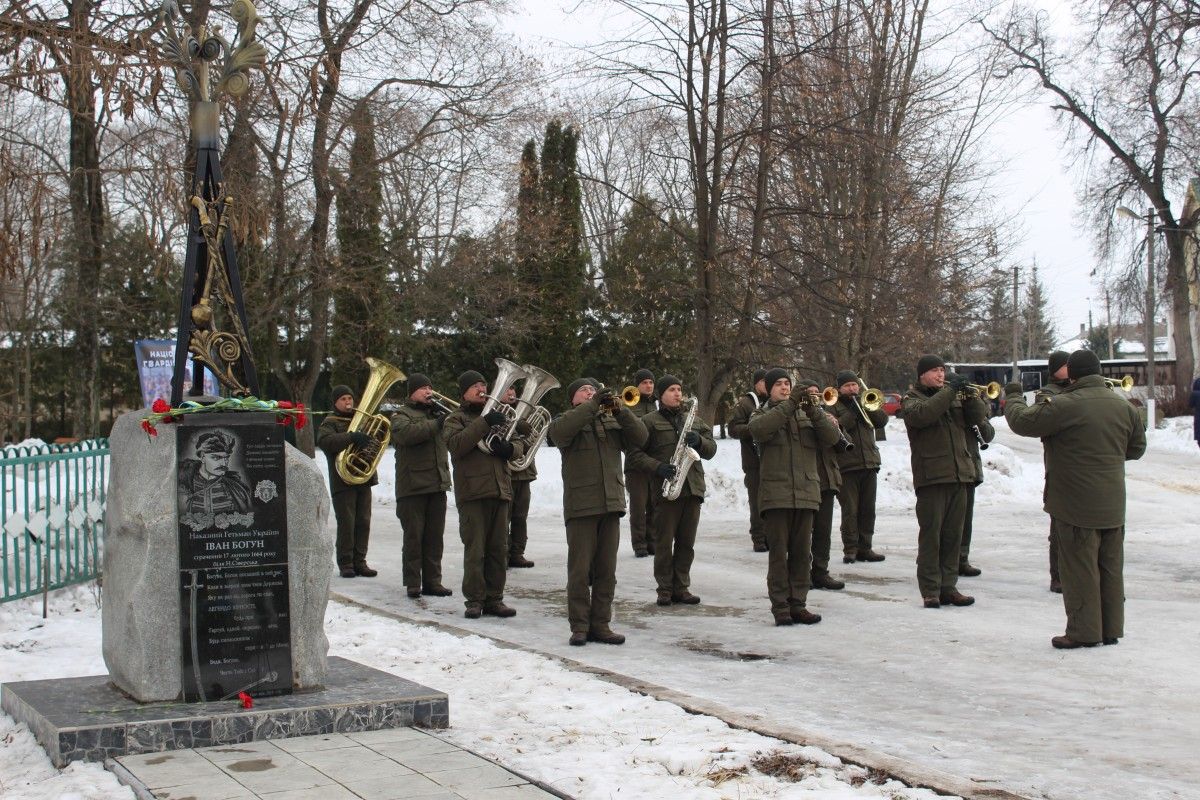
x,y
340,391
928,362
643,375
846,376
775,375
666,382
417,381
1057,359
759,375
469,379
1082,363
579,384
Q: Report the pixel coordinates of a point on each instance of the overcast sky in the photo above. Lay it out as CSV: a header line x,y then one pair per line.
x,y
1034,187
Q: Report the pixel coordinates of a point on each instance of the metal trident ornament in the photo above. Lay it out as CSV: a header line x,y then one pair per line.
x,y
208,66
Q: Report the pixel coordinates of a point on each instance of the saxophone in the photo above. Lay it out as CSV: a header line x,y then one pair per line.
x,y
683,457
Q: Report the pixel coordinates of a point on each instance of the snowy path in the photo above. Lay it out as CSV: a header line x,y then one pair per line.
x,y
977,692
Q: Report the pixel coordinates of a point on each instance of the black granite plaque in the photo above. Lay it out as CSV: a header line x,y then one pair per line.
x,y
233,577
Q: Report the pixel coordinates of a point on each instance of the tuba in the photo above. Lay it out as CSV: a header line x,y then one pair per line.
x,y
356,465
683,457
507,373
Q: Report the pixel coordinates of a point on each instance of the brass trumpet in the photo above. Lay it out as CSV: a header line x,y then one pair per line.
x,y
631,396
827,397
1124,383
991,391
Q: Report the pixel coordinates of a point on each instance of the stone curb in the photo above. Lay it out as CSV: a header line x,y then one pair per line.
x,y
910,773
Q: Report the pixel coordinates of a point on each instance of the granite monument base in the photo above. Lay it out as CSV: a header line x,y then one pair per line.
x,y
87,719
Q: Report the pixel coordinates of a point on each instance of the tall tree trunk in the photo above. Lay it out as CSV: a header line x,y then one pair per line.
x,y
87,218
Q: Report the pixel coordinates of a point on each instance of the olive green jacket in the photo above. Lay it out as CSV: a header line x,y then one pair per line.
x,y
865,454
477,475
739,427
591,444
662,429
790,438
938,425
827,466
333,437
422,464
1089,432
988,433
645,406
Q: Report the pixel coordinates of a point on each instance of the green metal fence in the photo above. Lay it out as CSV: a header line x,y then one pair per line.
x,y
51,515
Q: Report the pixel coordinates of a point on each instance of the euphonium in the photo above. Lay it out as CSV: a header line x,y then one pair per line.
x,y
356,465
537,382
683,457
507,373
1124,384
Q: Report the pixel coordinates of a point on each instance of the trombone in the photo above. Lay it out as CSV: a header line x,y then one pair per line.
x,y
443,403
1124,383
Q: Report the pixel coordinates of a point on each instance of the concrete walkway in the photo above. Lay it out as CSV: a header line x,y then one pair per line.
x,y
394,764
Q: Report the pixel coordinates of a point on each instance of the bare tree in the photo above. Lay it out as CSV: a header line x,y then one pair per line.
x,y
1126,95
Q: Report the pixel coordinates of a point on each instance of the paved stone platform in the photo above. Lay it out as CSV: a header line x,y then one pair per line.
x,y
391,764
87,719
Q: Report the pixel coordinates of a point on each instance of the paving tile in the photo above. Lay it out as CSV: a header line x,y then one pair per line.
x,y
388,735
309,744
317,793
281,772
350,764
441,762
525,791
223,788
400,787
236,752
173,768
414,747
488,777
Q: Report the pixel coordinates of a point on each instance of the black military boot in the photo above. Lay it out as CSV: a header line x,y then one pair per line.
x,y
967,571
823,580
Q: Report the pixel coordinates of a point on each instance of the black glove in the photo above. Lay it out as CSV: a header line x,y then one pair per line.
x,y
605,398
665,471
495,419
502,448
359,439
956,381
441,419
692,439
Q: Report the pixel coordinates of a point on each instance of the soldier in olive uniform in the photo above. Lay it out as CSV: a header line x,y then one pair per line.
x,y
422,480
739,428
642,496
981,433
591,437
1058,381
790,437
860,469
351,502
522,486
1089,432
678,519
831,482
939,420
483,496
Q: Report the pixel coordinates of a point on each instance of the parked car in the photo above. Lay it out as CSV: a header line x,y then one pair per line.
x,y
891,403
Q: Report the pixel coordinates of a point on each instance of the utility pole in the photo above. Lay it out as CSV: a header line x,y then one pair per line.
x,y
1016,325
1150,320
1108,317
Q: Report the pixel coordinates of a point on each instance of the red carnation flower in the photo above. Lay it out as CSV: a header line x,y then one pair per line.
x,y
148,428
247,700
160,406
285,404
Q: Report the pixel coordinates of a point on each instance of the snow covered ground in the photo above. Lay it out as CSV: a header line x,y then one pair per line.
x,y
976,692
